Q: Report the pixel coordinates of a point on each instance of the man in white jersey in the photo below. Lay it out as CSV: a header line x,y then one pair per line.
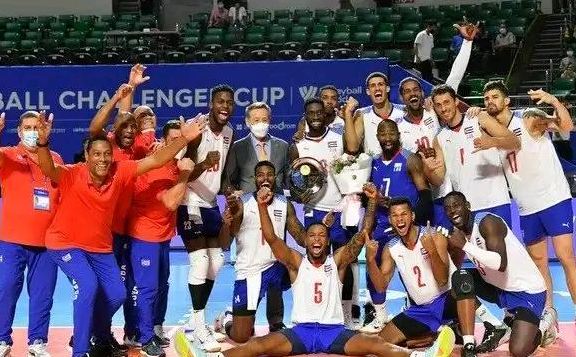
x,y
466,153
422,259
325,145
360,127
317,314
329,96
504,274
198,219
256,267
537,182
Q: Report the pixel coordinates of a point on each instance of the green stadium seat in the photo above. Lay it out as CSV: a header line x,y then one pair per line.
x,y
298,13
282,14
277,37
254,38
141,25
128,17
30,35
305,21
102,26
277,29
319,37
7,45
201,17
405,37
89,19
301,37
393,18
362,12
476,86
506,14
191,41
490,6
77,34
371,19
394,56
58,26
349,19
262,22
323,13
510,5
49,43
72,43
341,13
12,36
108,18
412,17
518,31
410,26
13,27
340,37
187,32
35,26
215,31
175,57
212,39
233,37
327,20
46,20
426,9
94,42
385,27
370,54
364,28
261,14
256,29
67,19
320,28
97,34
361,38
530,4
123,26
384,38
285,21
518,21
440,55
299,28
28,44
341,28
384,11
562,87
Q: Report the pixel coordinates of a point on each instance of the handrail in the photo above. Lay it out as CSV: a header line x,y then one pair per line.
x,y
524,53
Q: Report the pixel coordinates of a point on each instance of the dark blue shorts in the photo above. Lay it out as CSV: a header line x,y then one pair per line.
x,y
188,228
502,211
318,338
338,234
418,320
550,222
275,276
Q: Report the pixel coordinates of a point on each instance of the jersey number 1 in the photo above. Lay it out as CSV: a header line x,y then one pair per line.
x,y
511,157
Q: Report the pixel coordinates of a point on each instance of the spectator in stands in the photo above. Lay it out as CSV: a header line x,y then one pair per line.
x,y
423,45
569,73
383,3
568,60
504,45
219,15
238,15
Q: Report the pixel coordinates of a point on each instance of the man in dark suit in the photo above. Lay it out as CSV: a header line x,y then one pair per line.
x,y
243,156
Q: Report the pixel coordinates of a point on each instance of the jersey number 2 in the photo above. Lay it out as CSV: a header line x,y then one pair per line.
x,y
418,274
317,293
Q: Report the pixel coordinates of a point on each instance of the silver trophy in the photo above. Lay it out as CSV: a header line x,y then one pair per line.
x,y
306,179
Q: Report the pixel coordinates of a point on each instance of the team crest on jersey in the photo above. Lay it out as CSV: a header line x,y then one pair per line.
x,y
429,122
327,269
424,252
333,147
398,167
469,132
277,215
517,132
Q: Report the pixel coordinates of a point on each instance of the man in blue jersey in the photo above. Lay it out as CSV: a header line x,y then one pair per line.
x,y
395,172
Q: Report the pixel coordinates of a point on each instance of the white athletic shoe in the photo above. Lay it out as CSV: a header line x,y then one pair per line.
x,y
551,334
132,342
218,336
380,320
203,335
4,349
38,349
443,345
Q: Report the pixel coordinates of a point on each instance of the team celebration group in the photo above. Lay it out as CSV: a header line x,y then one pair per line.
x,y
439,190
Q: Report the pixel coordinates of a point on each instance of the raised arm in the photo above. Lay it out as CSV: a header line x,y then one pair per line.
x,y
236,208
563,122
353,126
437,247
294,226
380,275
463,57
135,79
289,257
348,253
424,208
190,130
101,118
173,197
433,159
2,125
231,171
225,235
498,135
44,157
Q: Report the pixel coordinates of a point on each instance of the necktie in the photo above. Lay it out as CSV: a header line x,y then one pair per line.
x,y
262,155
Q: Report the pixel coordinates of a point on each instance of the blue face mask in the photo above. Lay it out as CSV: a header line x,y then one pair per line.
x,y
29,138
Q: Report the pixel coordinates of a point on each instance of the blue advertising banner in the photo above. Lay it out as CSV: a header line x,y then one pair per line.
x,y
75,93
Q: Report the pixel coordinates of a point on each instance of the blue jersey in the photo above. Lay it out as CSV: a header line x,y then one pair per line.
x,y
393,180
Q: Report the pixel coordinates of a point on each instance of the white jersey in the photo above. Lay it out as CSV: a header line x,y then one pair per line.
x,y
479,176
521,273
202,191
371,121
253,254
317,294
414,136
336,126
534,172
324,149
415,268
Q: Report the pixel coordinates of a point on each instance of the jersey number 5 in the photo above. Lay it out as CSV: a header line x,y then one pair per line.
x,y
418,274
317,293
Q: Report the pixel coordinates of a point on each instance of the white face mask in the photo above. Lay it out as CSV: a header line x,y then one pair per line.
x,y
259,130
569,53
29,138
503,31
180,154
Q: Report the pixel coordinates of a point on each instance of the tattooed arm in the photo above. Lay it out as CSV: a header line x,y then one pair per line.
x,y
348,253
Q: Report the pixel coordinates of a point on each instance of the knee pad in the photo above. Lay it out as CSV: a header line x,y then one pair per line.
x,y
198,267
463,285
216,261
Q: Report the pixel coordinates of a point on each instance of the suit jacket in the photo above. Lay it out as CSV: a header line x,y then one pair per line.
x,y
239,167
